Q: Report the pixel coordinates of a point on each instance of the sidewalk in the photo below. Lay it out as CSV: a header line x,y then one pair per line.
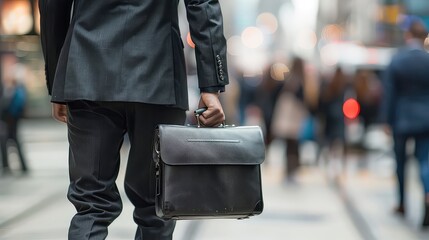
x,y
307,209
35,207
370,189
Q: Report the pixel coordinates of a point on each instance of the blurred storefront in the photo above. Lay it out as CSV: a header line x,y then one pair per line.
x,y
21,58
363,32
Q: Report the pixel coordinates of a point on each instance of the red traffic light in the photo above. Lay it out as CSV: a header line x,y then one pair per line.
x,y
351,108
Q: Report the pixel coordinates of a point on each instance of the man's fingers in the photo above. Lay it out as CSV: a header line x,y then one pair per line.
x,y
59,112
209,113
214,115
213,120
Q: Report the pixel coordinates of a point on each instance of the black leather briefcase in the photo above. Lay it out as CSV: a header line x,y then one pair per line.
x,y
208,172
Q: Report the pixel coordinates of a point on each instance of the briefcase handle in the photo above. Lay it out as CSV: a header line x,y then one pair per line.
x,y
200,111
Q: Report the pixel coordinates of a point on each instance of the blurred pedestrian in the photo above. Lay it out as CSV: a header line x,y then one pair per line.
x,y
405,108
13,108
332,97
265,98
247,87
368,90
115,67
289,115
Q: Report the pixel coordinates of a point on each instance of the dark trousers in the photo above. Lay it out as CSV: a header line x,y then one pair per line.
x,y
422,155
11,133
292,157
3,146
96,131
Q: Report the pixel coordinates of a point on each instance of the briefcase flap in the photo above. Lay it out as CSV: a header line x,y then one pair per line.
x,y
187,145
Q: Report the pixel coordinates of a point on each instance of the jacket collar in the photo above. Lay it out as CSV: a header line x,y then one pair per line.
x,y
415,44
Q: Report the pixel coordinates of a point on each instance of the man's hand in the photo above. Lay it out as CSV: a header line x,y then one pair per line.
x,y
214,115
59,112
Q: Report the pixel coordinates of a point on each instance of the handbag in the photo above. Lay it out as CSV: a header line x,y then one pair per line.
x,y
288,117
208,172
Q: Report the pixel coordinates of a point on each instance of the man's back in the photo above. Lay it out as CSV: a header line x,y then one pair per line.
x,y
411,69
131,51
409,92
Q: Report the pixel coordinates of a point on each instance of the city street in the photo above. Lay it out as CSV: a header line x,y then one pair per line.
x,y
337,88
356,205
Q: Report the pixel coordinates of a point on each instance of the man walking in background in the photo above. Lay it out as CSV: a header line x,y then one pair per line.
x,y
11,113
405,107
116,67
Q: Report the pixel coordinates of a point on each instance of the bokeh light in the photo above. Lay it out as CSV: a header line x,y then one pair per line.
x,y
234,45
252,37
306,39
268,22
351,108
332,33
252,62
278,71
16,17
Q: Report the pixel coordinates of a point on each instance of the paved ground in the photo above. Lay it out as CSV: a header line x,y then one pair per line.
x,y
355,206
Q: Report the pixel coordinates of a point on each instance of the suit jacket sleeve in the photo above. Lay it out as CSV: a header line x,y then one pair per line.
x,y
54,24
206,27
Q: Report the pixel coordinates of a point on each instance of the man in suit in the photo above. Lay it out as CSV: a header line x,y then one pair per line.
x,y
117,66
405,107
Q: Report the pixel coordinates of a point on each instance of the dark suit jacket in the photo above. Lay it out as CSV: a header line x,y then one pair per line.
x,y
129,50
405,104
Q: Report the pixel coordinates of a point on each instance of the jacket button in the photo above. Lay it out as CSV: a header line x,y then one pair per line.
x,y
221,77
221,72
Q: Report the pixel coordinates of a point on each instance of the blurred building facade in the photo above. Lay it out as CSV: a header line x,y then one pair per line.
x,y
20,52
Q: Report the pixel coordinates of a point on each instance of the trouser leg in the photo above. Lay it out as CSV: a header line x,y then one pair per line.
x,y
13,134
95,132
422,154
292,157
401,158
3,146
3,149
140,173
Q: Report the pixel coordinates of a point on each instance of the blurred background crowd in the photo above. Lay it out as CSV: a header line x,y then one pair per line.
x,y
264,38
309,72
